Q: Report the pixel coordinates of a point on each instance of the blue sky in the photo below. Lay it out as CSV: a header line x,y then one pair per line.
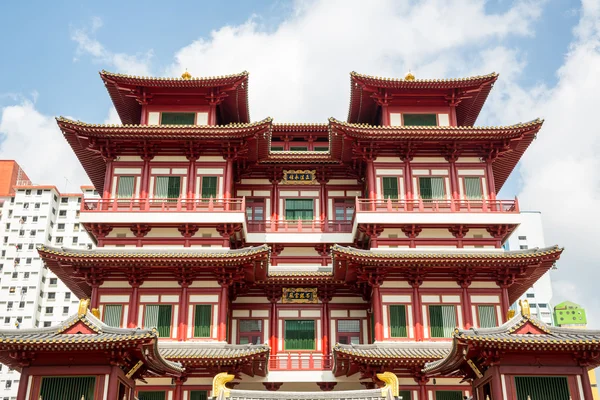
x,y
299,55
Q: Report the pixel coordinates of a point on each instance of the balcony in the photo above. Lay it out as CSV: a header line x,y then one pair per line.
x,y
300,362
299,231
419,211
163,211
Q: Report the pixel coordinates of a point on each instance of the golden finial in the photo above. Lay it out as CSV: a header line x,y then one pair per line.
x,y
409,76
510,314
186,75
391,384
83,307
219,384
525,310
96,313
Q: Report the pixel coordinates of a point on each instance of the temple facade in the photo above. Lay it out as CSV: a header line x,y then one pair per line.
x,y
298,257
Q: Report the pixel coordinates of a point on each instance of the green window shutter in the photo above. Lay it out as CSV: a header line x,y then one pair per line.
x,y
125,187
171,118
487,316
209,187
299,209
431,188
398,321
425,188
320,148
276,148
164,321
298,148
405,395
112,315
448,395
198,395
174,189
202,317
151,395
299,335
420,119
542,387
473,188
151,317
390,187
68,388
442,320
162,187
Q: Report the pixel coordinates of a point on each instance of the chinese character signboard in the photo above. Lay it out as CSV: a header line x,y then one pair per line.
x,y
299,177
300,295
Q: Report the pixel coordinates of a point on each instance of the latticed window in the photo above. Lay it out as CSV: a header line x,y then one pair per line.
x,y
209,187
159,317
448,395
390,187
487,316
112,315
442,320
405,395
250,331
151,395
348,331
299,335
431,188
125,187
420,119
398,321
473,188
68,388
168,187
542,387
202,318
173,118
299,209
198,395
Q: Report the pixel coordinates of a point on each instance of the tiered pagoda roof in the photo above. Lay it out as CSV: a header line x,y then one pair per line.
x,y
129,92
470,93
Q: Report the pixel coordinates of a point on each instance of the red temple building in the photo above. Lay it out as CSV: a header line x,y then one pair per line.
x,y
299,260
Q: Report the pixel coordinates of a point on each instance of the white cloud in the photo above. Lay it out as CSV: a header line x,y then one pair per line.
x,y
137,64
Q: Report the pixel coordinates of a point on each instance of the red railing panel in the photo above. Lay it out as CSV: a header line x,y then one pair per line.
x,y
163,205
438,205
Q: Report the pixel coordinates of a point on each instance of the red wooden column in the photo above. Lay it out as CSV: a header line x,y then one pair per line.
x,y
228,184
585,382
371,185
223,310
107,179
275,199
23,383
192,156
145,179
408,182
377,309
454,179
178,392
416,282
95,297
133,304
490,178
422,380
504,280
325,295
464,280
183,311
496,384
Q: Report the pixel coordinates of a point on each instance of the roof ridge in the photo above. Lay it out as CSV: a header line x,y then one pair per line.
x,y
440,80
536,121
61,119
199,78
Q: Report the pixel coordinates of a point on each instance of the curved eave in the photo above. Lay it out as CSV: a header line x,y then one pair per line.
x,y
78,135
300,127
119,86
363,108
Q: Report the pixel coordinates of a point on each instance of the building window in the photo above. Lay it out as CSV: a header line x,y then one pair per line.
x,y
530,295
64,200
9,306
125,187
523,247
33,232
47,324
25,206
76,227
209,187
473,188
159,317
35,219
49,310
448,395
390,187
348,331
250,331
420,119
487,316
59,239
168,187
51,296
67,296
405,395
442,320
53,281
28,192
15,275
343,209
30,247
321,148
28,261
61,227
53,211
398,321
8,384
522,237
296,209
298,148
177,118
25,275
7,320
202,318
151,395
198,395
56,387
276,148
21,304
538,387
65,310
299,335
39,193
431,188
62,213
55,198
112,314
255,209
12,289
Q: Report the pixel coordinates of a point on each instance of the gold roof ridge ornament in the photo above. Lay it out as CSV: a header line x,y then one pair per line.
x,y
219,385
391,384
525,309
409,76
186,75
83,307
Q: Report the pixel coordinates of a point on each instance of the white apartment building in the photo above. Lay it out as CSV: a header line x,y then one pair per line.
x,y
30,294
528,235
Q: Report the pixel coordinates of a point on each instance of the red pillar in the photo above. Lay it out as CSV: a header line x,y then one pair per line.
x,y
454,184
326,328
228,185
587,386
23,382
191,186
505,304
377,312
371,185
145,180
183,312
496,384
422,381
323,202
223,310
408,179
490,179
107,180
275,204
178,392
466,304
133,306
95,297
417,311
273,326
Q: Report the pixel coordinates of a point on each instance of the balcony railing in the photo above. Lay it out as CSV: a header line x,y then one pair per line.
x,y
308,226
300,361
163,205
438,206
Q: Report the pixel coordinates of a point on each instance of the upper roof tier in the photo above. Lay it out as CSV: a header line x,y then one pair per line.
x,y
228,92
367,93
